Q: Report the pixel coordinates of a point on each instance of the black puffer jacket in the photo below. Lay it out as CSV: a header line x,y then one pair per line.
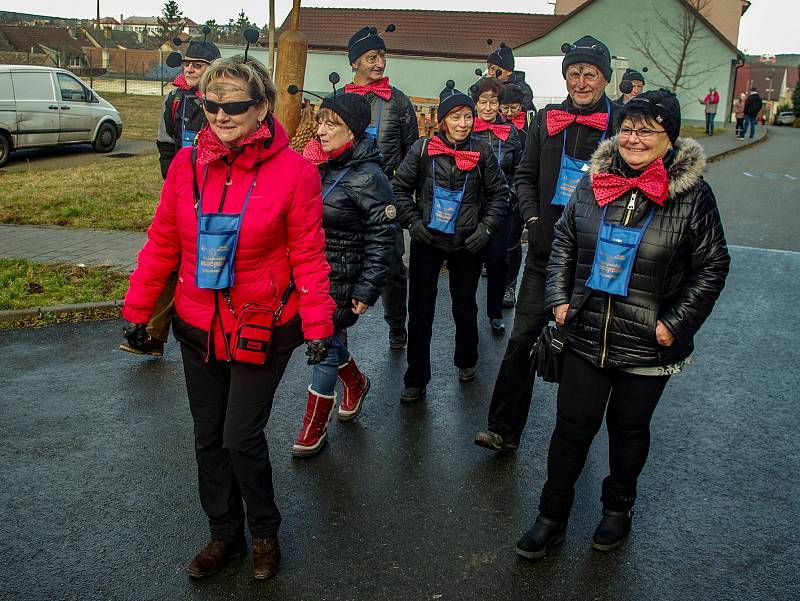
x,y
510,150
397,129
678,273
537,174
485,198
358,219
170,128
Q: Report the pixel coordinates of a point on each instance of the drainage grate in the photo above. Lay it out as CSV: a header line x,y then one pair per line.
x,y
121,155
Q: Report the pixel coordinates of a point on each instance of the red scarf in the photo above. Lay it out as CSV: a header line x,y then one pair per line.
x,y
653,182
210,148
465,159
314,152
520,121
501,131
379,88
181,83
558,121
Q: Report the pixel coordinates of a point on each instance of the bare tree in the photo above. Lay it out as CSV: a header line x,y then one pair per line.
x,y
674,51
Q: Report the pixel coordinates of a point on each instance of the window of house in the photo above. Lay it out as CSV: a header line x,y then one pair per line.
x,y
32,86
75,62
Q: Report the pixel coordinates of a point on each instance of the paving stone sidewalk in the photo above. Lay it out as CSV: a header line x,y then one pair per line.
x,y
119,248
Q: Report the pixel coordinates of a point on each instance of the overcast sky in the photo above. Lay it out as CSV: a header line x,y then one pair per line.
x,y
768,26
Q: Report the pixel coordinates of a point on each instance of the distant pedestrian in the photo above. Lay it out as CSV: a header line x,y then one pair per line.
x,y
738,111
500,64
752,107
452,196
561,140
638,261
635,83
394,126
241,216
711,102
503,138
358,216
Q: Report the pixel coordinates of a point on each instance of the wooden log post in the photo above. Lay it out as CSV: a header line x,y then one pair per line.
x,y
291,69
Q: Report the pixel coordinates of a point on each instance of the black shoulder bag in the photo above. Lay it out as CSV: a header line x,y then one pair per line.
x,y
546,354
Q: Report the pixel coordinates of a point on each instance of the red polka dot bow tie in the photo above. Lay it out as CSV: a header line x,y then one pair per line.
x,y
180,82
210,148
558,121
380,88
314,152
653,182
465,159
501,131
520,120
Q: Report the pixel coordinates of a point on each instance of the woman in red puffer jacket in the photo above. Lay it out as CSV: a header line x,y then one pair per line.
x,y
248,181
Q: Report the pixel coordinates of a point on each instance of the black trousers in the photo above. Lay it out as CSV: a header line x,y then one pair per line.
x,y
395,290
496,260
513,389
464,269
230,405
583,395
514,246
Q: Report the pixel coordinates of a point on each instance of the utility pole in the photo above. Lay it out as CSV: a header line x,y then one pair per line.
x,y
271,45
291,70
98,15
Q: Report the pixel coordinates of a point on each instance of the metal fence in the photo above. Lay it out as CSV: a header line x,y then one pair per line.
x,y
127,71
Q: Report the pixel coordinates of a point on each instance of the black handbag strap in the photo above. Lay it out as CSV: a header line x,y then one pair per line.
x,y
284,299
195,189
560,337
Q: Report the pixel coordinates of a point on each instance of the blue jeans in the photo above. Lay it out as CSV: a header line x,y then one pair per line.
x,y
710,123
324,375
751,122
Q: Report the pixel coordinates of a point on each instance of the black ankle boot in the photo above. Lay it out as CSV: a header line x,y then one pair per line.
x,y
546,534
612,530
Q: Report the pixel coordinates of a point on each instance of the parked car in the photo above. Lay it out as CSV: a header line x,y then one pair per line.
x,y
45,106
785,118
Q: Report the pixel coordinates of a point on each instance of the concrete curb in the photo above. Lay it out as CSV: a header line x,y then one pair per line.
x,y
726,153
19,314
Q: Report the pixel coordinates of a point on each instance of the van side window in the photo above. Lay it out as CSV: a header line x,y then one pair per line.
x,y
6,92
71,89
32,86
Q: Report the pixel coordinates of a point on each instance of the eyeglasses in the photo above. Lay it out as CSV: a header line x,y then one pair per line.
x,y
371,59
195,64
589,77
483,103
230,108
642,134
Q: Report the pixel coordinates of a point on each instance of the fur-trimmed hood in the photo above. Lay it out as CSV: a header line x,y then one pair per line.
x,y
684,171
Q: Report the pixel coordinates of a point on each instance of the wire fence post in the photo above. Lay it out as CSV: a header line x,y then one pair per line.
x,y
161,68
125,74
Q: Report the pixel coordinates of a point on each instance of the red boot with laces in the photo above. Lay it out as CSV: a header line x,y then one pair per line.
x,y
356,387
315,423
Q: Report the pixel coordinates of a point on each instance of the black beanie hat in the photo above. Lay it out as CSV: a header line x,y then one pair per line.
x,y
354,110
661,106
202,50
450,98
633,75
587,50
364,40
502,57
511,93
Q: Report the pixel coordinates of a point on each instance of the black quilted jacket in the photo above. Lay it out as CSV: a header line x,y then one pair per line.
x,y
485,198
358,219
678,273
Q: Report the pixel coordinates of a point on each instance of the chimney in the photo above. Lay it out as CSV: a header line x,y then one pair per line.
x,y
121,22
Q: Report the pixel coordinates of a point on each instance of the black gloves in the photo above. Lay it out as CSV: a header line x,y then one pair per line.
x,y
317,350
479,238
419,233
135,333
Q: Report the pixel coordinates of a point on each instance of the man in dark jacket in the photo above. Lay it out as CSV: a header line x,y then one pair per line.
x,y
394,125
752,107
500,64
182,115
561,139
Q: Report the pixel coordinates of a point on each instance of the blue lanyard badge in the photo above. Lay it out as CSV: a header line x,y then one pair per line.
x,y
615,254
446,205
373,130
333,185
187,136
572,170
217,237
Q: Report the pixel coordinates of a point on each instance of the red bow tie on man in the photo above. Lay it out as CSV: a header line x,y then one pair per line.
x,y
653,182
558,121
380,88
465,159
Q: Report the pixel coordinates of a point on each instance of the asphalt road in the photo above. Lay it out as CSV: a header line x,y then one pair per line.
x,y
99,501
60,157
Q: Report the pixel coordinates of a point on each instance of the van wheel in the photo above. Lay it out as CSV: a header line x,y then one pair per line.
x,y
5,149
106,138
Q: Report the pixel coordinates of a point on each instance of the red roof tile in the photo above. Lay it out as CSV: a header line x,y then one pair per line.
x,y
448,34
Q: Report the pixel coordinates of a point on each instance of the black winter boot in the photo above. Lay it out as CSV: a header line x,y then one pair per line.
x,y
612,530
545,535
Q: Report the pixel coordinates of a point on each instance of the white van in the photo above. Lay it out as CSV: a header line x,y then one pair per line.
x,y
45,106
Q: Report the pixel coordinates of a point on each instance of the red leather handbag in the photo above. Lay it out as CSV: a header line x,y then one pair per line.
x,y
252,336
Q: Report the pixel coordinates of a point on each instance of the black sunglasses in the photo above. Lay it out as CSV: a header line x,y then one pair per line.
x,y
230,108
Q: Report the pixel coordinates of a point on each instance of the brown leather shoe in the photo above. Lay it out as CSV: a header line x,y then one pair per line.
x,y
213,557
266,557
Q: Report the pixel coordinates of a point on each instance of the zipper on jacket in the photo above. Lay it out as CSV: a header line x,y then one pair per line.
x,y
626,219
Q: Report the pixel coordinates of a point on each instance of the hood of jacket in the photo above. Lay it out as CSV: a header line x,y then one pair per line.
x,y
684,167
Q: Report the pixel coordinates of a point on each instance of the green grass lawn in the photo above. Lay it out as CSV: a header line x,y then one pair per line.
x,y
24,284
140,114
